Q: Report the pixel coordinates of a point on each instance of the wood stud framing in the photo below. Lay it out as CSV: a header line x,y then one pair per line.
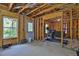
x,y
36,9
71,29
1,31
42,29
10,6
23,8
39,23
62,30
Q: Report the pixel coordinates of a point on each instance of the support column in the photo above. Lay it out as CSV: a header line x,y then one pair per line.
x,y
21,29
71,29
34,29
1,31
62,30
37,28
78,23
42,29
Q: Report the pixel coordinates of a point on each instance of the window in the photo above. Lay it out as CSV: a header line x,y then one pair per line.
x,y
46,25
30,27
65,28
9,27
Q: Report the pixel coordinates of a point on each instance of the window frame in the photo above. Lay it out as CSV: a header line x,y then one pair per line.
x,y
46,31
28,27
15,19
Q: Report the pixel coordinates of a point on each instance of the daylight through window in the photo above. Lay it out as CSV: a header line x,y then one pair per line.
x,y
9,27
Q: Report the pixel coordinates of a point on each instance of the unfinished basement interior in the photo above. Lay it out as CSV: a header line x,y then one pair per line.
x,y
39,29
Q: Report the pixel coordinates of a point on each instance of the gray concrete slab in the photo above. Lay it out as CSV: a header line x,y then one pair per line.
x,y
38,49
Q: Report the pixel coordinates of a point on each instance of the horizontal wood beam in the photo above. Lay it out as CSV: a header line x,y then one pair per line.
x,y
37,9
23,8
64,6
17,7
51,8
11,5
52,15
3,7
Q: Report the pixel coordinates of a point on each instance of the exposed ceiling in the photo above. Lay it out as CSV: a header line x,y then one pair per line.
x,y
36,9
21,7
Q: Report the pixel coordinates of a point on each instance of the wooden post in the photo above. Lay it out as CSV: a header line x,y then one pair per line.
x,y
33,21
62,30
71,29
18,29
42,29
34,29
37,28
78,25
1,31
21,28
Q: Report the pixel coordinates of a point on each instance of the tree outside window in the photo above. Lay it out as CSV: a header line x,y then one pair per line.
x,y
9,27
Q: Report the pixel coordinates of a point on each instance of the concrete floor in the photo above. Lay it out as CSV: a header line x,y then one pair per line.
x,y
37,49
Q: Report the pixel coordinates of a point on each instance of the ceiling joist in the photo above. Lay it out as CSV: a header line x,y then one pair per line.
x,y
51,8
11,5
3,7
23,8
37,9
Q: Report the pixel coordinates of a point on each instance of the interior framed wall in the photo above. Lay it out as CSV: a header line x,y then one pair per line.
x,y
8,14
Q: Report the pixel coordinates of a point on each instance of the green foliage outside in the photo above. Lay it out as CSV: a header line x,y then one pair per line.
x,y
10,26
